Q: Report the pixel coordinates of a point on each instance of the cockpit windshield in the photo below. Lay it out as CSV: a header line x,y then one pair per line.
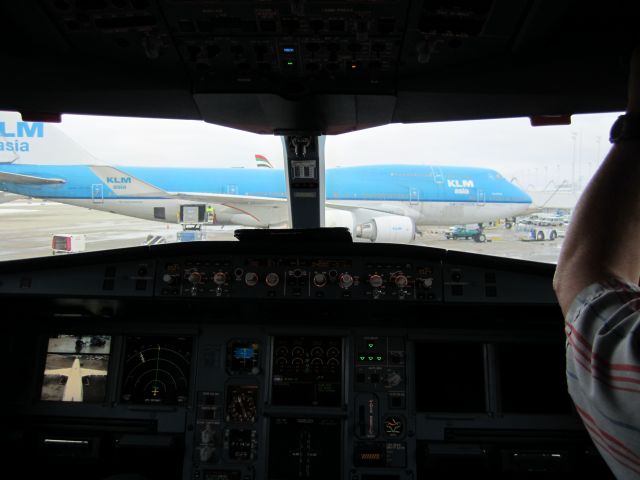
x,y
496,187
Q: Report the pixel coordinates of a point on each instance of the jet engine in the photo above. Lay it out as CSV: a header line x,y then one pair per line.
x,y
387,229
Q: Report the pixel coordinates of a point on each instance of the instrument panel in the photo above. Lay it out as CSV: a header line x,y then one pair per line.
x,y
309,406
358,387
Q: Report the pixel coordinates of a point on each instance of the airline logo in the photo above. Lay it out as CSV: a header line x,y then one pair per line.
x,y
16,138
460,183
120,183
262,161
460,187
118,179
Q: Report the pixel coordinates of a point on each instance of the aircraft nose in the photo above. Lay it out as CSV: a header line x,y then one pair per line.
x,y
519,195
525,197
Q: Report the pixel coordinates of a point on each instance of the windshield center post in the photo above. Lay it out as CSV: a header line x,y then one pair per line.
x,y
304,160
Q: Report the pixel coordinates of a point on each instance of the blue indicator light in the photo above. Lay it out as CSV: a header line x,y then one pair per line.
x,y
289,50
243,353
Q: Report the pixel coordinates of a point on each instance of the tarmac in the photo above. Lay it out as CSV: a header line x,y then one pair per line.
x,y
27,228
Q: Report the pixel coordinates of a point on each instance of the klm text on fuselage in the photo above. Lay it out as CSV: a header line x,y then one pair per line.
x,y
16,138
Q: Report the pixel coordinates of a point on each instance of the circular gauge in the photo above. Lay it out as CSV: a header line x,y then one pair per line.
x,y
297,352
393,426
317,352
282,352
333,352
242,403
157,370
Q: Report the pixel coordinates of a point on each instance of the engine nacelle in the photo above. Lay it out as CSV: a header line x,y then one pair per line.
x,y
387,229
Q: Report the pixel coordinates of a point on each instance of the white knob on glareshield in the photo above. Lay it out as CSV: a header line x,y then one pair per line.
x,y
319,279
375,281
195,277
401,281
272,279
346,281
251,279
220,278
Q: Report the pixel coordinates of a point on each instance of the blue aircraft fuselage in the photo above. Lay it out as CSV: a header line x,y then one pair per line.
x,y
380,183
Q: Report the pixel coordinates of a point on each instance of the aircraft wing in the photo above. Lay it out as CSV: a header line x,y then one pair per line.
x,y
134,187
228,199
8,197
28,179
379,208
88,371
58,371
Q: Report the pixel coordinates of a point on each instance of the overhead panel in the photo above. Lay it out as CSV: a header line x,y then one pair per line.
x,y
312,65
290,47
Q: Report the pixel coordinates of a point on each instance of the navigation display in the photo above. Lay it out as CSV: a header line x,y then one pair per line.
x,y
157,370
76,368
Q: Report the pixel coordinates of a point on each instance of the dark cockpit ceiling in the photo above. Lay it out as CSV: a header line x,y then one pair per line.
x,y
316,66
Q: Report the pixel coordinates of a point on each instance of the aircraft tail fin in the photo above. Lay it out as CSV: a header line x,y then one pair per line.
x,y
263,161
38,143
123,184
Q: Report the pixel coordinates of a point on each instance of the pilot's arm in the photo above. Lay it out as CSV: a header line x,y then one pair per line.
x,y
596,283
603,239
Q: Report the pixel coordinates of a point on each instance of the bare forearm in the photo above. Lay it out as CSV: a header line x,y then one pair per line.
x,y
602,240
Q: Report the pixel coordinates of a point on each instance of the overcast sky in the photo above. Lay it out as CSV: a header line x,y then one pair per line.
x,y
534,156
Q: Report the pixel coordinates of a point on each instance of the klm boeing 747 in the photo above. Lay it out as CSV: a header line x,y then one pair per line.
x,y
381,203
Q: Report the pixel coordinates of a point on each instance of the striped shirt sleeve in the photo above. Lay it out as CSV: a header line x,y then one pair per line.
x,y
603,370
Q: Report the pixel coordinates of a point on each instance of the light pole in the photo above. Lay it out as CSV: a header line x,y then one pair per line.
x,y
598,159
574,136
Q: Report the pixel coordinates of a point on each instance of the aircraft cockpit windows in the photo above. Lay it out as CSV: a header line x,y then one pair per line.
x,y
469,185
95,183
465,185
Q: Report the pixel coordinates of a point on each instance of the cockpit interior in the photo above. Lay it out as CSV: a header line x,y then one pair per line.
x,y
297,353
